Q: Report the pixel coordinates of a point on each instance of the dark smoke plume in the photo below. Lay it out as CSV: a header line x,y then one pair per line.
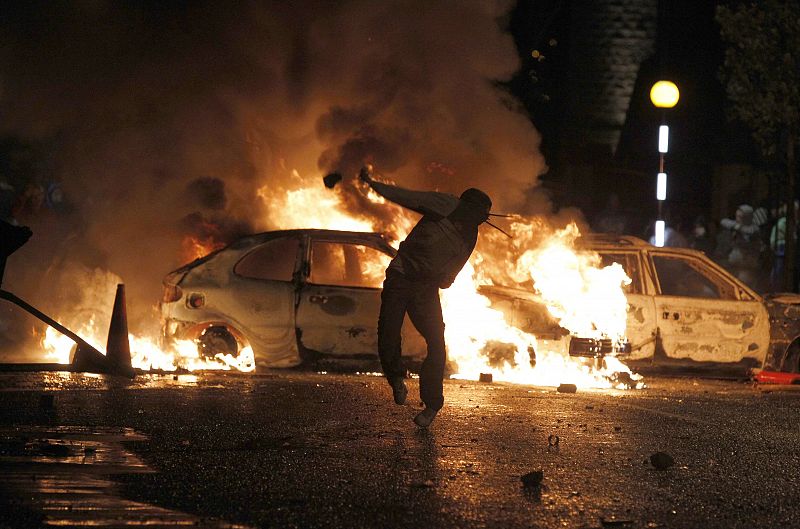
x,y
131,106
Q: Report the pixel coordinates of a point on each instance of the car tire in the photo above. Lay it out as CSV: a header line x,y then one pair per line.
x,y
215,340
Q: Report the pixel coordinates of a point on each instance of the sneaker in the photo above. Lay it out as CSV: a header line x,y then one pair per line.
x,y
399,390
425,417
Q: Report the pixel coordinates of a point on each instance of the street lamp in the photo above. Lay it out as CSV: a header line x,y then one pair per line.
x,y
663,94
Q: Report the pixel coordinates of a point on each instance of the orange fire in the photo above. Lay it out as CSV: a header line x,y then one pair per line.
x,y
586,299
146,354
196,247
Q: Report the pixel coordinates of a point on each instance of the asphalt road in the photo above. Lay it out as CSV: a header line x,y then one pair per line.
x,y
299,449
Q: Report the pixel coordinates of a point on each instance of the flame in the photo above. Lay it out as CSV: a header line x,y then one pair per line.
x,y
184,354
584,298
304,203
146,354
196,247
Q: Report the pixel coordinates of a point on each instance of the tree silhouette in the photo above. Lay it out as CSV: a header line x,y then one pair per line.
x,y
761,75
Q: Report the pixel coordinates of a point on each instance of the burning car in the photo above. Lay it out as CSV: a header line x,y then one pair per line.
x,y
291,292
283,293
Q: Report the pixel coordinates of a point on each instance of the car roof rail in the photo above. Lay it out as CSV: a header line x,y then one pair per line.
x,y
610,239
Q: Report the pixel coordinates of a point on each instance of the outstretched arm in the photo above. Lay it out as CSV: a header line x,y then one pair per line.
x,y
423,202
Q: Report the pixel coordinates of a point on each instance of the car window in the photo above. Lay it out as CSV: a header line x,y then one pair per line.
x,y
347,265
629,263
688,277
275,260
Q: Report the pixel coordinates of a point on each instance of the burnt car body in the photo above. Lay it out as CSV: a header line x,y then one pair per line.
x,y
686,311
288,293
284,293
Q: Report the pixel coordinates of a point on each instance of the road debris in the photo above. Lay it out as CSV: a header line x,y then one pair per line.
x,y
622,380
567,388
613,521
532,479
661,460
776,377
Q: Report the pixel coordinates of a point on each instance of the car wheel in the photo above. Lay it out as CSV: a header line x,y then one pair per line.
x,y
791,360
217,340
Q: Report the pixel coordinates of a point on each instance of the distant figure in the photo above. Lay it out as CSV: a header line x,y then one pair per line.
x,y
429,259
777,245
611,219
700,238
739,245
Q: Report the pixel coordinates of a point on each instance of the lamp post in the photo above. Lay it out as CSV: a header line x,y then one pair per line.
x,y
664,95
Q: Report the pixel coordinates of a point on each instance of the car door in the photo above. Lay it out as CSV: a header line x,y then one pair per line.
x,y
641,320
704,314
260,299
339,302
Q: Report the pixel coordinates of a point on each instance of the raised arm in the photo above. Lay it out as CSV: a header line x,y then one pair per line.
x,y
423,202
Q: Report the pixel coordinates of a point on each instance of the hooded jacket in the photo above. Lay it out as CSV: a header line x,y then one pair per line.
x,y
439,245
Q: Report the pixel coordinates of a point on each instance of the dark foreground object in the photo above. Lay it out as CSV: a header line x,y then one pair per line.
x,y
306,450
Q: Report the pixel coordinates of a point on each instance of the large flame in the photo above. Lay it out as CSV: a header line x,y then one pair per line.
x,y
585,298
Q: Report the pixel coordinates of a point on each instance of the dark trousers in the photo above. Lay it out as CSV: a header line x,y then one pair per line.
x,y
421,301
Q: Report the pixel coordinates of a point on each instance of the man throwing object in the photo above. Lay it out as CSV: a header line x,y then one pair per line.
x,y
429,259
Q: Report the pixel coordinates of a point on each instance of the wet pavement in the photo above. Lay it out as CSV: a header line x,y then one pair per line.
x,y
299,449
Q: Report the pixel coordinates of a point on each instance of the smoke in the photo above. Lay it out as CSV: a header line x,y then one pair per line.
x,y
155,118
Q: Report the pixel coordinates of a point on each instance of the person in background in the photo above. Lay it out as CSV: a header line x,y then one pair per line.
x,y
741,245
430,257
700,238
777,245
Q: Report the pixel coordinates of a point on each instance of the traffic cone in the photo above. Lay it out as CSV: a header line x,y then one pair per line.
x,y
118,350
